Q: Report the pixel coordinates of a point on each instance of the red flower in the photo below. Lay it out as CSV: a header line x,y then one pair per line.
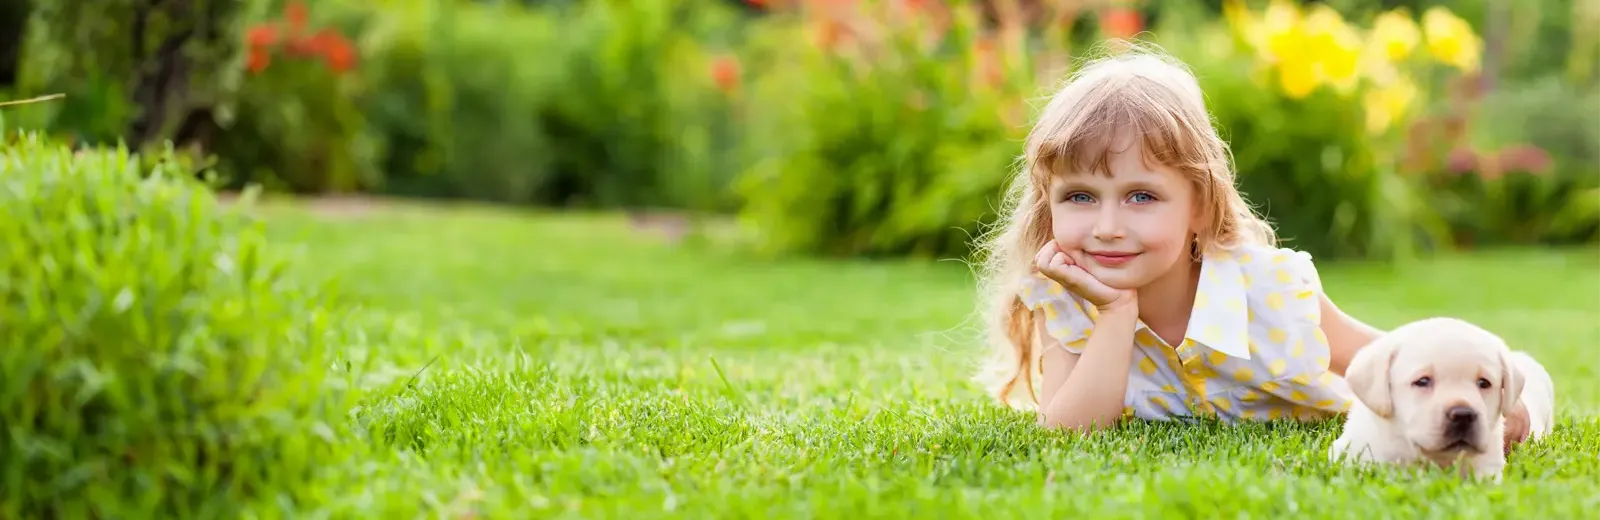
x,y
258,60
263,35
1462,160
302,46
297,15
725,72
1121,22
1525,158
336,51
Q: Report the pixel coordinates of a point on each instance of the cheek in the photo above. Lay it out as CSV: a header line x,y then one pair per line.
x,y
1068,230
1159,235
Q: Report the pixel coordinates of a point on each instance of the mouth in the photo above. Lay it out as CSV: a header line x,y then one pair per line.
x,y
1457,446
1111,258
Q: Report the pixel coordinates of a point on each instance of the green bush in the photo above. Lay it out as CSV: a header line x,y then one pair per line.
x,y
294,123
137,71
600,104
1524,166
459,99
1310,167
633,119
157,361
894,148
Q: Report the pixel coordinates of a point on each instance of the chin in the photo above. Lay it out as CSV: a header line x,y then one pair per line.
x,y
1123,281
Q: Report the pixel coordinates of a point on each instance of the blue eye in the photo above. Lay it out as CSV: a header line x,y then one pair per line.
x,y
1146,196
1080,197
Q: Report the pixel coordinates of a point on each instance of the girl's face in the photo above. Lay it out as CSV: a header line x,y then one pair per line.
x,y
1128,229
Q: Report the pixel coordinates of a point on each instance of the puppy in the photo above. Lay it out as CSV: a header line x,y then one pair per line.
x,y
1435,391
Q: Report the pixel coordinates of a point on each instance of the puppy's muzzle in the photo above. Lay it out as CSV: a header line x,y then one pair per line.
x,y
1459,422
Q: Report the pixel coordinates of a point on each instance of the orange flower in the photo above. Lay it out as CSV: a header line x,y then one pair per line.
x,y
830,33
297,15
261,36
258,60
337,52
988,62
725,72
1121,22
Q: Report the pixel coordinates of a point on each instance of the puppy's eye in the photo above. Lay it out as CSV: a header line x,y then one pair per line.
x,y
1484,383
1423,382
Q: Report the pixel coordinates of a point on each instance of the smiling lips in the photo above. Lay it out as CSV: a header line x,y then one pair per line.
x,y
1111,258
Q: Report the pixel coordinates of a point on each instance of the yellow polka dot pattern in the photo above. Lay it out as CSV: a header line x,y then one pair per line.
x,y
1253,349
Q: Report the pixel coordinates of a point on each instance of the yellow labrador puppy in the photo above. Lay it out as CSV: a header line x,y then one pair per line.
x,y
1434,391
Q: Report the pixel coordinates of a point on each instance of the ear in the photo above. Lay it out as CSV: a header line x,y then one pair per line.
x,y
1368,375
1511,382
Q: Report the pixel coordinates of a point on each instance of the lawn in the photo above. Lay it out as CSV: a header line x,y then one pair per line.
x,y
536,365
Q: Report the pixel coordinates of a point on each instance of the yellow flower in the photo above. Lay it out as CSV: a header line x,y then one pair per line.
x,y
1334,46
1387,104
1280,31
1394,35
1375,66
1451,40
1243,22
1297,77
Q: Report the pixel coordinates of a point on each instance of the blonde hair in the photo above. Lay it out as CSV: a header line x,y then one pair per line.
x,y
1136,93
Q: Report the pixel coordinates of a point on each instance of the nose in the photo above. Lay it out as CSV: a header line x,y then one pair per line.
x,y
1461,415
1108,225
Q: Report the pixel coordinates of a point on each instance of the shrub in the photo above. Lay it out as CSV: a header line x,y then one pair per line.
x,y
890,133
570,105
157,362
295,123
138,71
1315,110
1519,164
631,119
458,98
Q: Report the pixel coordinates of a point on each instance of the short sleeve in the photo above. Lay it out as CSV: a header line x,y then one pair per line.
x,y
1305,270
1065,314
1284,284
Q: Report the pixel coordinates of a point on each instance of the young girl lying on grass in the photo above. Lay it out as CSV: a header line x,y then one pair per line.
x,y
1129,272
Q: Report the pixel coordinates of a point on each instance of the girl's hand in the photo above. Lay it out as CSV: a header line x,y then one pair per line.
x,y
1056,265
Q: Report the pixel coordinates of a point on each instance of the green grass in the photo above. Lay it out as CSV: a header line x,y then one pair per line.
x,y
539,366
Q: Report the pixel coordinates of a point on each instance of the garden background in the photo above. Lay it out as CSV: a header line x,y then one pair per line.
x,y
694,256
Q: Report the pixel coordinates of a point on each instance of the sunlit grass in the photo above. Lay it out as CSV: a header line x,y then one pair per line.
x,y
532,365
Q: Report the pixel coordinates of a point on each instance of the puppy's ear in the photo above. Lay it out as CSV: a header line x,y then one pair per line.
x,y
1368,375
1511,382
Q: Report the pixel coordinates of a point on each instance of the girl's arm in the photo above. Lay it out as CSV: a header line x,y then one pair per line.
x,y
1084,391
1346,335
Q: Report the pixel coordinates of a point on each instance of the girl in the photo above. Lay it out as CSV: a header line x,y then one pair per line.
x,y
1132,275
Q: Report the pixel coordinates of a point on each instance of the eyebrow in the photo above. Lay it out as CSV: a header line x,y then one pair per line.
x,y
1069,184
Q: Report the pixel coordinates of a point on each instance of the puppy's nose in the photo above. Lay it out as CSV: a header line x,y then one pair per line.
x,y
1461,415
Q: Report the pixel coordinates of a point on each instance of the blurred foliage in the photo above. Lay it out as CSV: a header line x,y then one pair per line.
x,y
890,134
1314,107
579,105
136,71
861,127
1517,165
296,124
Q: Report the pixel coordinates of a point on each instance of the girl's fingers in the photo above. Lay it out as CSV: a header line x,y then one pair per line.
x,y
1085,284
1066,258
1042,258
